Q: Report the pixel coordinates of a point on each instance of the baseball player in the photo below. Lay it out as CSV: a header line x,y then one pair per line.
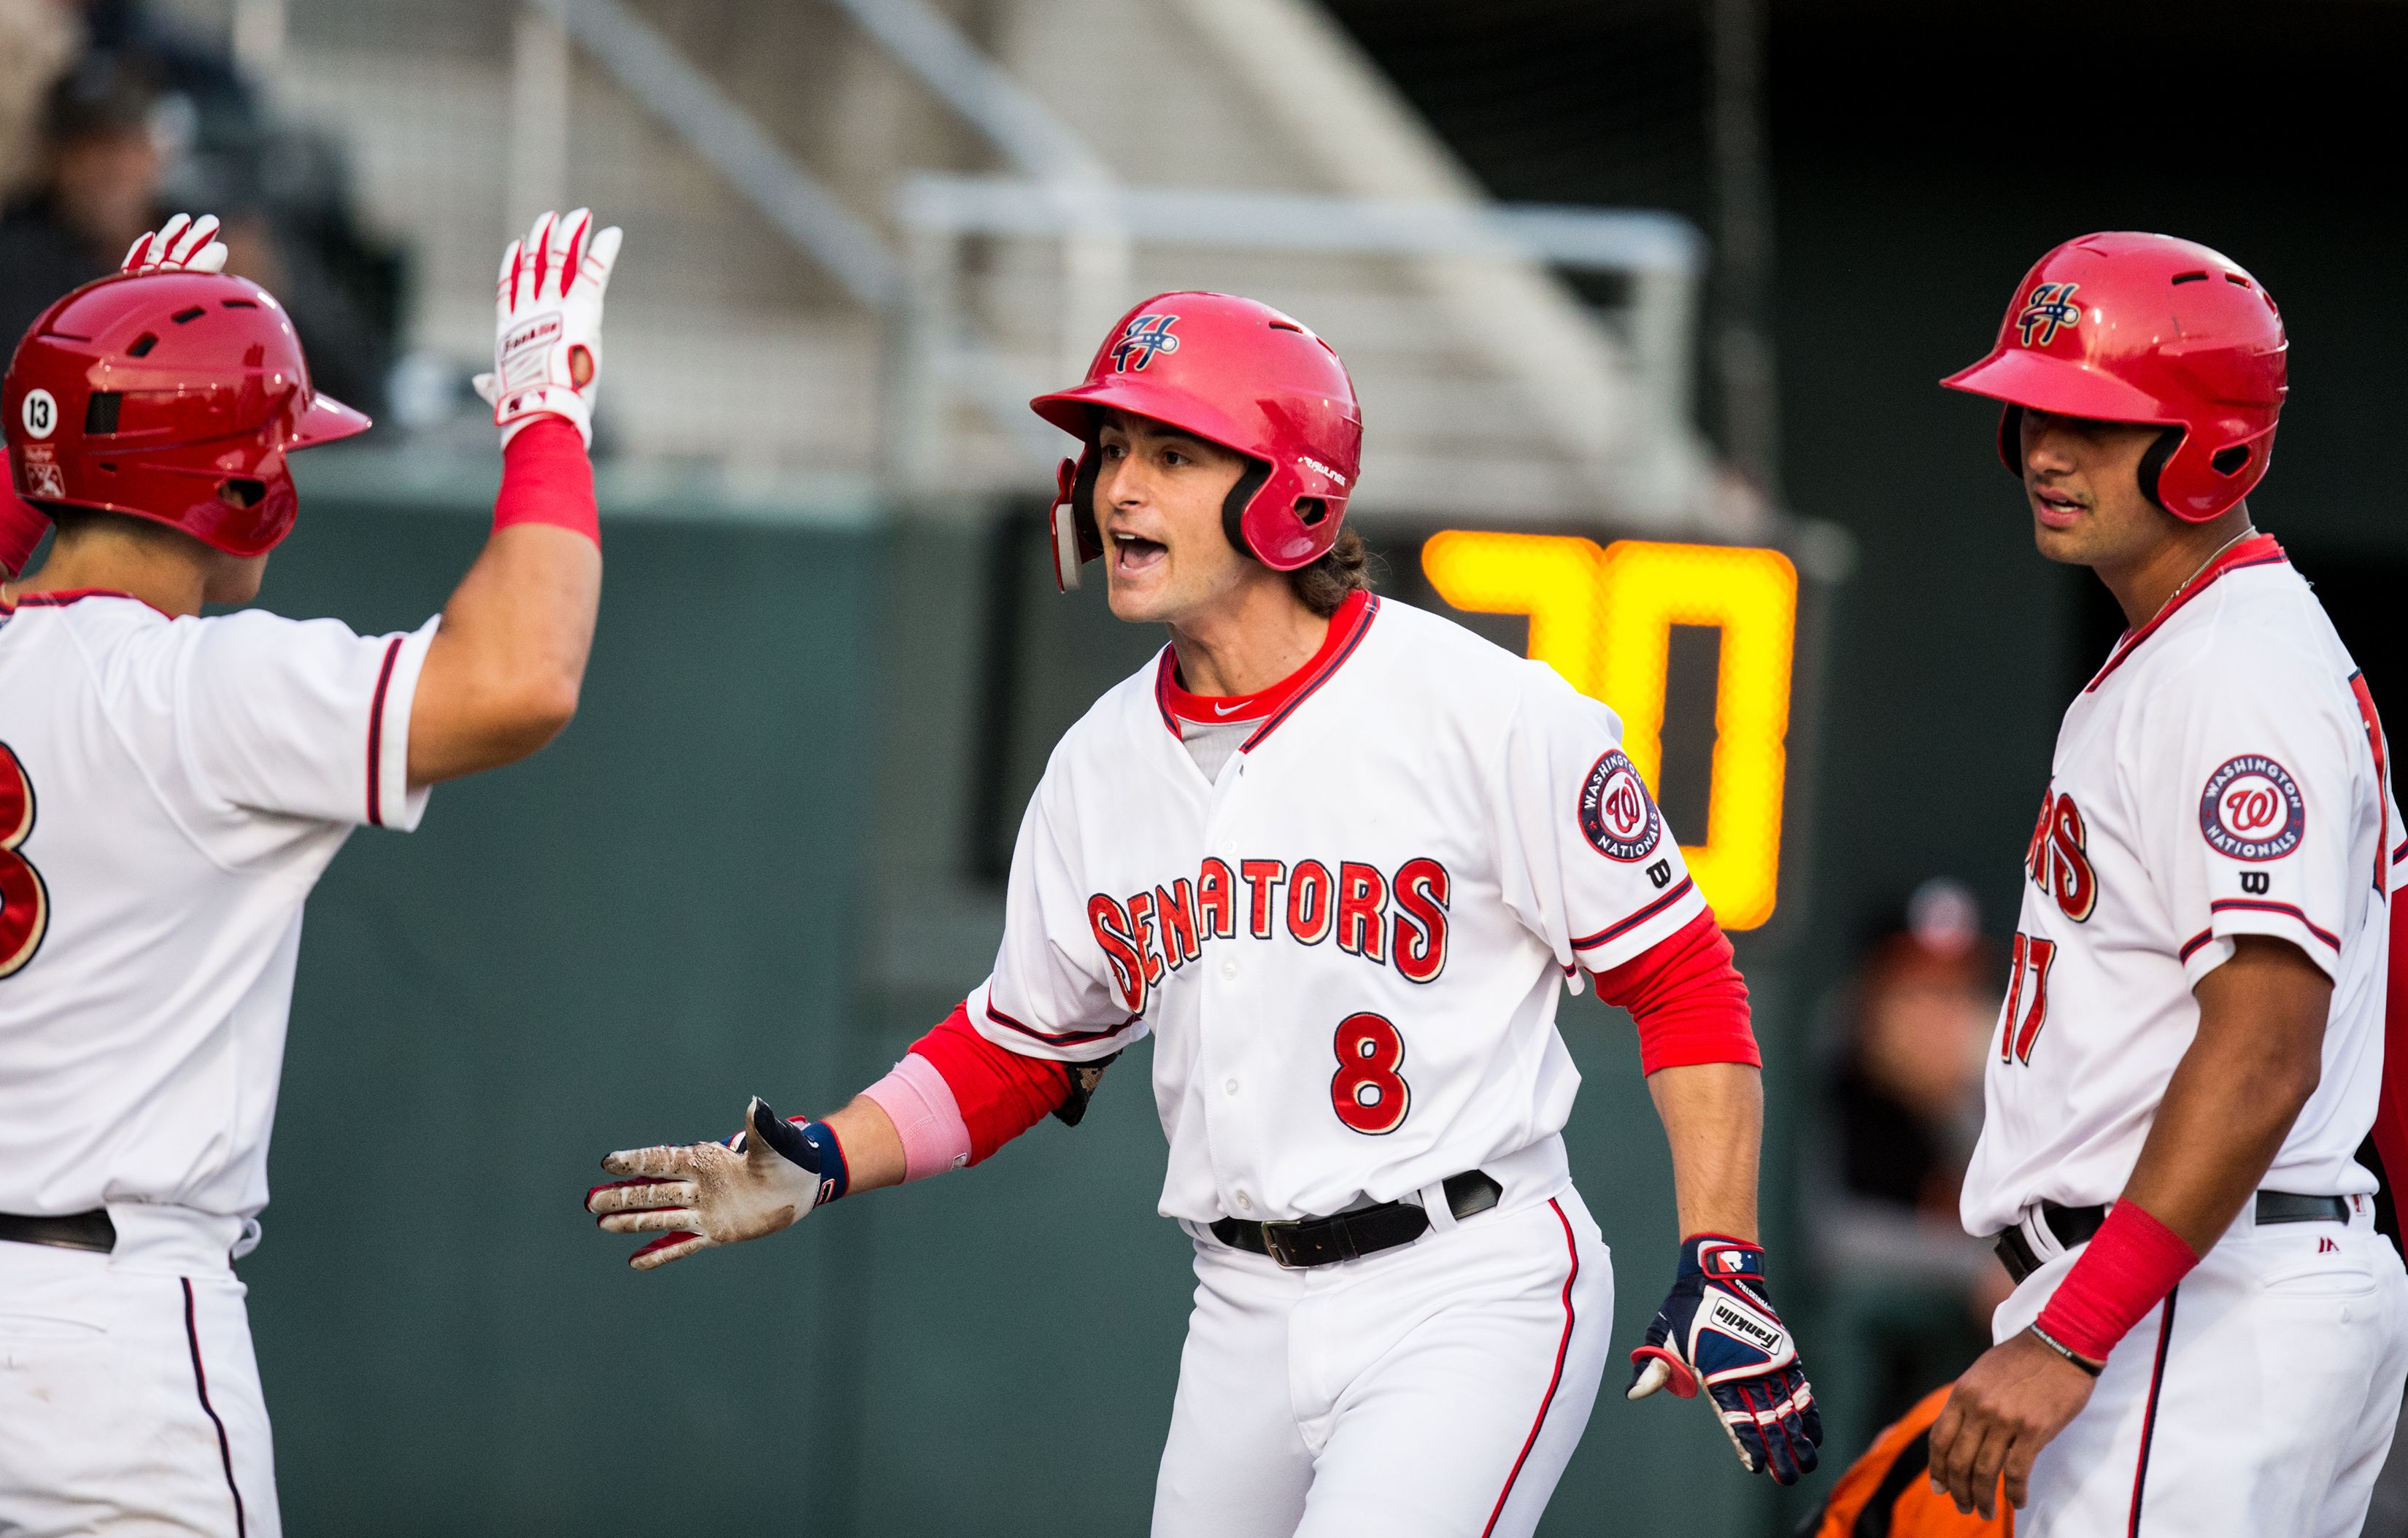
x,y
2208,1336
171,786
1339,857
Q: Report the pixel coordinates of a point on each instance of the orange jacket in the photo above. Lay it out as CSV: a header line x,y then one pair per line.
x,y
1887,1494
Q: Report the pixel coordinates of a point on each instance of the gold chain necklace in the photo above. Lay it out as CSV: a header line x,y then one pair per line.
x,y
2246,530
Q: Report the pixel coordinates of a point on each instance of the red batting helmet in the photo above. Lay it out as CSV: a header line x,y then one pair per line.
x,y
172,396
2146,328
1243,375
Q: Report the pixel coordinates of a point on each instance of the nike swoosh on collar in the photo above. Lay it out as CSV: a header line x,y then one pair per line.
x,y
1224,709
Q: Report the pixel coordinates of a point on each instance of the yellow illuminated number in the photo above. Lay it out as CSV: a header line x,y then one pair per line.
x,y
1604,619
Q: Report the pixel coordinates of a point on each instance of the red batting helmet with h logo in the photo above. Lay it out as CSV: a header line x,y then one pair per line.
x,y
2146,328
1236,373
172,396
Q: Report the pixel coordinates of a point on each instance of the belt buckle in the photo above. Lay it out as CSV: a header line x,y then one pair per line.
x,y
1274,1237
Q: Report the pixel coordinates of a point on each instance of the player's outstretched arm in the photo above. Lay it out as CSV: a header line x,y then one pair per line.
x,y
954,1099
502,675
1717,1328
2258,1057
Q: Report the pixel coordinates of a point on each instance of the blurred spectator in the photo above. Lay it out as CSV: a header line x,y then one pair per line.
x,y
150,120
38,40
1904,1110
1908,1092
97,191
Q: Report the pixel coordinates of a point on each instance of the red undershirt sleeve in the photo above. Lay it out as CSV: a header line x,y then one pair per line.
x,y
1000,1092
1687,999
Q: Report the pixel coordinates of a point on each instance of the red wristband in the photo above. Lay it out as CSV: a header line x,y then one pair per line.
x,y
2131,1264
547,478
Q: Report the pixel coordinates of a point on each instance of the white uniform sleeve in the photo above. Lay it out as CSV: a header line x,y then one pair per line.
x,y
2260,803
304,718
1585,859
1072,977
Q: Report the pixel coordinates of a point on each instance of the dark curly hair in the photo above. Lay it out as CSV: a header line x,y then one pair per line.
x,y
1345,568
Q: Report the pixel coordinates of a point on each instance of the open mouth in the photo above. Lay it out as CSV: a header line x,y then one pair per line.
x,y
1133,554
2057,509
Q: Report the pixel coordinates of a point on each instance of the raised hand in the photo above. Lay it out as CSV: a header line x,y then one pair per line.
x,y
183,244
548,324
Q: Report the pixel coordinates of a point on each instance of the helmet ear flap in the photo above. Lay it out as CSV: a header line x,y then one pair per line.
x,y
2153,464
2011,439
1071,521
1233,506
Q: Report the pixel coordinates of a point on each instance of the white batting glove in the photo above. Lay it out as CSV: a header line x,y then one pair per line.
x,y
183,244
548,324
700,1194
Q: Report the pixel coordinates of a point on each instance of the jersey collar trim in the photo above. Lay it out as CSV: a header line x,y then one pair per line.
x,y
2260,551
1176,703
65,596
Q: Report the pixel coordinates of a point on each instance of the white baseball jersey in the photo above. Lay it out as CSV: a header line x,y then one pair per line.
x,y
1348,942
170,790
2223,774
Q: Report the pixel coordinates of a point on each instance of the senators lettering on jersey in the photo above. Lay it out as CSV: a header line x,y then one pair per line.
x,y
1377,918
1348,945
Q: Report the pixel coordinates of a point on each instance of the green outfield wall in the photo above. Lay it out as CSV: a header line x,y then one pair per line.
x,y
749,867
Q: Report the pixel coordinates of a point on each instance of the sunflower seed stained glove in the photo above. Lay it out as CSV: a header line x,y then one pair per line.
x,y
697,1195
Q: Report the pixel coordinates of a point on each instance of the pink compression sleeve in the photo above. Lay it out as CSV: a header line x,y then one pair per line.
x,y
916,1098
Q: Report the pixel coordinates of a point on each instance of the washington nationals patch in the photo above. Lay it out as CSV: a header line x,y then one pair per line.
x,y
1616,813
2252,809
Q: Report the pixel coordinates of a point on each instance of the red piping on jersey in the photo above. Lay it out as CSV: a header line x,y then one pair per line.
x,y
1068,1038
1626,925
1346,626
2149,1416
2400,852
2260,551
2255,904
1563,1350
2202,937
201,1383
376,736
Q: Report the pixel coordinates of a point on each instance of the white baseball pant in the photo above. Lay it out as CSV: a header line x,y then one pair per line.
x,y
2258,1400
130,1404
1436,1389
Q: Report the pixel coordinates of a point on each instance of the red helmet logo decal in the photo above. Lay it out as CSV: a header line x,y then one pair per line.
x,y
1141,338
2052,305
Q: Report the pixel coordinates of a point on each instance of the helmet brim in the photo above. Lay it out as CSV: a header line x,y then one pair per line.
x,y
2019,376
328,421
1074,411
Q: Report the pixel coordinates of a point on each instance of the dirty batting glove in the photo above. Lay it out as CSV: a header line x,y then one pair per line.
x,y
1717,1327
183,244
548,324
697,1195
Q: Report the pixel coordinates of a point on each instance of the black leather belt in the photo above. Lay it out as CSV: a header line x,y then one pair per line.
x,y
76,1231
1365,1230
2073,1226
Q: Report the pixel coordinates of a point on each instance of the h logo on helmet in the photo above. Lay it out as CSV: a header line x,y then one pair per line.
x,y
1144,336
2052,305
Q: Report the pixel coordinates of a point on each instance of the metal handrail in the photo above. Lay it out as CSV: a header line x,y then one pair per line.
x,y
1640,241
723,134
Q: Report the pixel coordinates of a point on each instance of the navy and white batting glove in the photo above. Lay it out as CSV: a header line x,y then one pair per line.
x,y
1718,1327
697,1195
